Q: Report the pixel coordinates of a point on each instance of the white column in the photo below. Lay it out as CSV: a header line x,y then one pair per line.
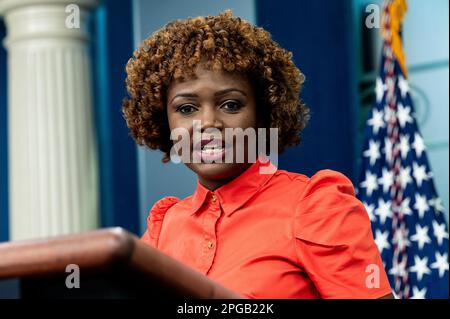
x,y
53,183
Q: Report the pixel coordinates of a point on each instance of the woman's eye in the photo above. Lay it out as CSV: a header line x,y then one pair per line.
x,y
186,109
231,106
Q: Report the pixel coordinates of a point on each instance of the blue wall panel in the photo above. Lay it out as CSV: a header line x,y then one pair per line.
x,y
320,35
112,47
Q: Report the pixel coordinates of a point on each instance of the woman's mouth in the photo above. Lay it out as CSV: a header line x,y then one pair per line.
x,y
210,150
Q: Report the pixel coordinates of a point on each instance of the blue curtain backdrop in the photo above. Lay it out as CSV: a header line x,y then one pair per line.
x,y
112,47
320,35
3,142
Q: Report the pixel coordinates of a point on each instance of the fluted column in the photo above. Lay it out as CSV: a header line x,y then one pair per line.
x,y
53,183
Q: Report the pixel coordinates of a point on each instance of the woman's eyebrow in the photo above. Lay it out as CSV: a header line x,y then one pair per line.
x,y
218,93
183,95
223,92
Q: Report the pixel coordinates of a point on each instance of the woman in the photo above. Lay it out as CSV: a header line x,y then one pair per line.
x,y
264,234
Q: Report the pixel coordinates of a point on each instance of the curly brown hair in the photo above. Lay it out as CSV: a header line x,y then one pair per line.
x,y
221,42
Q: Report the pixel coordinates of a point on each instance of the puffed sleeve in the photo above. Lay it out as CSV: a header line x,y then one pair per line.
x,y
155,219
334,241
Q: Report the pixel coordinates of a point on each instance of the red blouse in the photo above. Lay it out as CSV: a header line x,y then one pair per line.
x,y
278,235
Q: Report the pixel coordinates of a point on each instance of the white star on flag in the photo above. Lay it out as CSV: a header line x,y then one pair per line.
x,y
380,87
404,206
403,85
373,152
420,267
439,232
419,173
387,179
441,263
436,203
370,183
403,115
381,239
370,208
418,145
376,121
421,205
405,176
419,294
421,236
384,210
404,145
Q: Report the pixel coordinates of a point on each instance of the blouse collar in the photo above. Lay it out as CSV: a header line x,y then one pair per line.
x,y
237,192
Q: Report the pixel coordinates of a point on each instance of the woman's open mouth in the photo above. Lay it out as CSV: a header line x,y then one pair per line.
x,y
210,150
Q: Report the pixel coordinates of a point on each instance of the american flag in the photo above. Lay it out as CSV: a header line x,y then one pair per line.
x,y
396,183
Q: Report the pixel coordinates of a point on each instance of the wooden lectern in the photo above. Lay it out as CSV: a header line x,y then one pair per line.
x,y
112,263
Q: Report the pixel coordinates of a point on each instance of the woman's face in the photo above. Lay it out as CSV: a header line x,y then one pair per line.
x,y
219,100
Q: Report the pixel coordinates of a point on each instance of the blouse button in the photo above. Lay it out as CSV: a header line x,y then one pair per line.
x,y
214,197
210,244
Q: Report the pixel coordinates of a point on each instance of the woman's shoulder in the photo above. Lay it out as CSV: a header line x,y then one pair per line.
x,y
163,204
328,181
327,210
156,217
333,238
323,181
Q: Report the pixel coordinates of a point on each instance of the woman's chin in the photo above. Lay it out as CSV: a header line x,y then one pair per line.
x,y
216,170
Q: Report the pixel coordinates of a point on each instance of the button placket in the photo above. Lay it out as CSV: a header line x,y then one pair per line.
x,y
211,216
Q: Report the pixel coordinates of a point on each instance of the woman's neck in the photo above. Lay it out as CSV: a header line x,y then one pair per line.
x,y
213,184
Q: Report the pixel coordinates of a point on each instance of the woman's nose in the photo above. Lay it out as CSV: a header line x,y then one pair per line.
x,y
210,118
